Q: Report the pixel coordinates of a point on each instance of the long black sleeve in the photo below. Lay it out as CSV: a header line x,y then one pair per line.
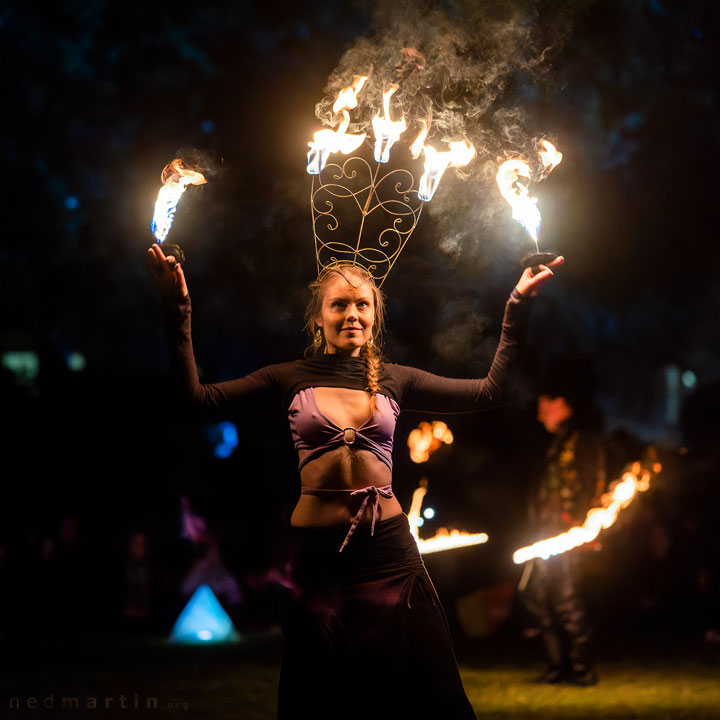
x,y
182,362
422,391
413,389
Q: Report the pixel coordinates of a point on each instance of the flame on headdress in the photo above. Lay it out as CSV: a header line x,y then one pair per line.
x,y
417,147
347,97
328,141
459,155
386,130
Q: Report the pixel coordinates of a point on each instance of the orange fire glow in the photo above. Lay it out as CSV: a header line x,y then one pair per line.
x,y
328,141
550,156
450,541
386,131
459,155
513,178
524,208
442,540
621,494
426,438
347,97
417,147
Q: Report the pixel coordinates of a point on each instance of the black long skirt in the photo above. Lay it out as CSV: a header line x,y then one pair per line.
x,y
365,635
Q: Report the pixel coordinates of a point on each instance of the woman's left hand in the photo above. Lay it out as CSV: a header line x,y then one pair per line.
x,y
530,283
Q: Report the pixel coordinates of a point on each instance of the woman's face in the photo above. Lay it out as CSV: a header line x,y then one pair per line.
x,y
347,314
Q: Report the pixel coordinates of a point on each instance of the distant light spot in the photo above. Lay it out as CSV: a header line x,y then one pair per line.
x,y
429,513
224,437
302,30
698,33
71,202
689,379
25,365
207,125
76,361
419,522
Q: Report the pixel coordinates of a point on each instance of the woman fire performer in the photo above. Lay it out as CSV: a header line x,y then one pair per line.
x,y
364,632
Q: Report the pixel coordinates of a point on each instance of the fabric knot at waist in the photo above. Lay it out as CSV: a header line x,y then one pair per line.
x,y
370,493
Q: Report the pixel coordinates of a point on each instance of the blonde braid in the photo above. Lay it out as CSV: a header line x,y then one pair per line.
x,y
373,362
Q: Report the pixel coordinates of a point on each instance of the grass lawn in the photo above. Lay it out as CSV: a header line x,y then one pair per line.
x,y
639,678
624,691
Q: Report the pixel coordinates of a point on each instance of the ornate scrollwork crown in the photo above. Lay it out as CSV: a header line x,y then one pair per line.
x,y
384,206
385,210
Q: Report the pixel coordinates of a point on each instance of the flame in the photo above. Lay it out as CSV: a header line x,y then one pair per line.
x,y
175,177
415,507
347,97
417,147
524,208
550,157
515,191
459,155
386,131
329,141
442,540
454,539
620,495
422,441
426,438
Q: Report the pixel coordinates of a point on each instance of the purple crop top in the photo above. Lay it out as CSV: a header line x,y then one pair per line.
x,y
314,431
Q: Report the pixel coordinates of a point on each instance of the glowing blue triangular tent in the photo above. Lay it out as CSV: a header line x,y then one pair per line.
x,y
203,621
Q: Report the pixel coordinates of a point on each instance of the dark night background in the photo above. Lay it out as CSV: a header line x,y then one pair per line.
x,y
98,97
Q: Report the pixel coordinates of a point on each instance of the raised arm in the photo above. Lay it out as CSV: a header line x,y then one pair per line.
x,y
172,286
426,392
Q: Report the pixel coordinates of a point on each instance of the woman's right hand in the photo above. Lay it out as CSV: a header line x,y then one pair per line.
x,y
168,275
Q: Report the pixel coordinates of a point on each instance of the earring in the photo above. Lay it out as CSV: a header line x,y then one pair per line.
x,y
370,342
317,339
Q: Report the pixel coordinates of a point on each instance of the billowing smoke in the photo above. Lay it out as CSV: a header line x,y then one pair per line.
x,y
459,64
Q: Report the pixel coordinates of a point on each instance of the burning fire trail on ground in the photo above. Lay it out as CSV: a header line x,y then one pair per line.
x,y
621,493
423,441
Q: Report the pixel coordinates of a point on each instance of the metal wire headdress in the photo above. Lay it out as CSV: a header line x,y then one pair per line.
x,y
384,206
390,201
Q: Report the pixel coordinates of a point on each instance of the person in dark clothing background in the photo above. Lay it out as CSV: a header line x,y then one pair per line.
x,y
568,482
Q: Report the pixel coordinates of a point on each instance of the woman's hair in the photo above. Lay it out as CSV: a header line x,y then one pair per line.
x,y
371,353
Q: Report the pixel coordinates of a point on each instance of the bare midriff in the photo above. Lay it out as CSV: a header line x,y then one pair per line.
x,y
342,469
